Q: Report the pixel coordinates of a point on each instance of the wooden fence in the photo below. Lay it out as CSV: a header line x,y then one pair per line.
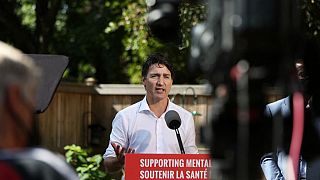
x,y
82,115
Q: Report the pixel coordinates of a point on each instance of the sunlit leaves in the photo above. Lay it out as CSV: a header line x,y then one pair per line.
x,y
311,14
136,40
87,167
190,15
27,12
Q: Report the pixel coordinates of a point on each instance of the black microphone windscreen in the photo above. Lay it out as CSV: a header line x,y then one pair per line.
x,y
172,119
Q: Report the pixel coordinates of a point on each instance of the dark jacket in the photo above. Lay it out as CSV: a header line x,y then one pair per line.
x,y
34,164
272,163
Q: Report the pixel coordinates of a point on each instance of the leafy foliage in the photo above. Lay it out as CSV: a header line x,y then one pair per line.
x,y
190,15
311,14
28,14
109,35
87,167
136,39
138,42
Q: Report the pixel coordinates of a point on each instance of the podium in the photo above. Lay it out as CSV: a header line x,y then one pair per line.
x,y
167,166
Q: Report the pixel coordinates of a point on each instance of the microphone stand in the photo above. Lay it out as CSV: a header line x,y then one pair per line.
x,y
179,140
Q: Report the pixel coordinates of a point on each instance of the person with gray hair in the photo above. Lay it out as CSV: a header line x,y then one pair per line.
x,y
19,78
18,82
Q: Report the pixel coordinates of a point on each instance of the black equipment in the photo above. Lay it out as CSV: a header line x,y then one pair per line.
x,y
52,68
173,122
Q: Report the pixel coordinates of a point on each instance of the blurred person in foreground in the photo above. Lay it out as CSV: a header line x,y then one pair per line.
x,y
19,78
141,127
275,165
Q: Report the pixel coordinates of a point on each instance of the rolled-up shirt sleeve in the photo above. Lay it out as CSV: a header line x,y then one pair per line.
x,y
118,135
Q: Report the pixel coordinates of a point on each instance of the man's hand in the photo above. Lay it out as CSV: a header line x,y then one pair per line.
x,y
114,164
121,151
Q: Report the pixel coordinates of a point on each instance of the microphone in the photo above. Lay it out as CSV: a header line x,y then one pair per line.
x,y
173,122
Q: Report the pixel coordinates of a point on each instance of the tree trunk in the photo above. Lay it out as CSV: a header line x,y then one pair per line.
x,y
46,14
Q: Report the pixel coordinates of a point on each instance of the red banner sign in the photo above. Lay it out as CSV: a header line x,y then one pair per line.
x,y
167,166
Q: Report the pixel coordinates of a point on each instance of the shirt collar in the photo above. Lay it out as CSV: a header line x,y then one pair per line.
x,y
145,107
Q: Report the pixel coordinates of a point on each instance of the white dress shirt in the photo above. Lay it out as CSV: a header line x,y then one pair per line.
x,y
139,128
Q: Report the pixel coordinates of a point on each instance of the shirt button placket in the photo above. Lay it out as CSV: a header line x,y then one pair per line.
x,y
159,135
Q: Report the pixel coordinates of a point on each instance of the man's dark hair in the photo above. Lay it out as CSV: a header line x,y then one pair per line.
x,y
156,58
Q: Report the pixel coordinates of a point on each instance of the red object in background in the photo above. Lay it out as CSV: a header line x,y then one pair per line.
x,y
8,172
297,134
167,166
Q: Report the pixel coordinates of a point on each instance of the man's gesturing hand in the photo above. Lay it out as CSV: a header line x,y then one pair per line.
x,y
121,151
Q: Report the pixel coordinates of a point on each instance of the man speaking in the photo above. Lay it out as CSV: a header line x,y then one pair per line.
x,y
141,127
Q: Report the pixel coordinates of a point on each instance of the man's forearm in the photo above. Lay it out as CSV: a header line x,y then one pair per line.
x,y
112,164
